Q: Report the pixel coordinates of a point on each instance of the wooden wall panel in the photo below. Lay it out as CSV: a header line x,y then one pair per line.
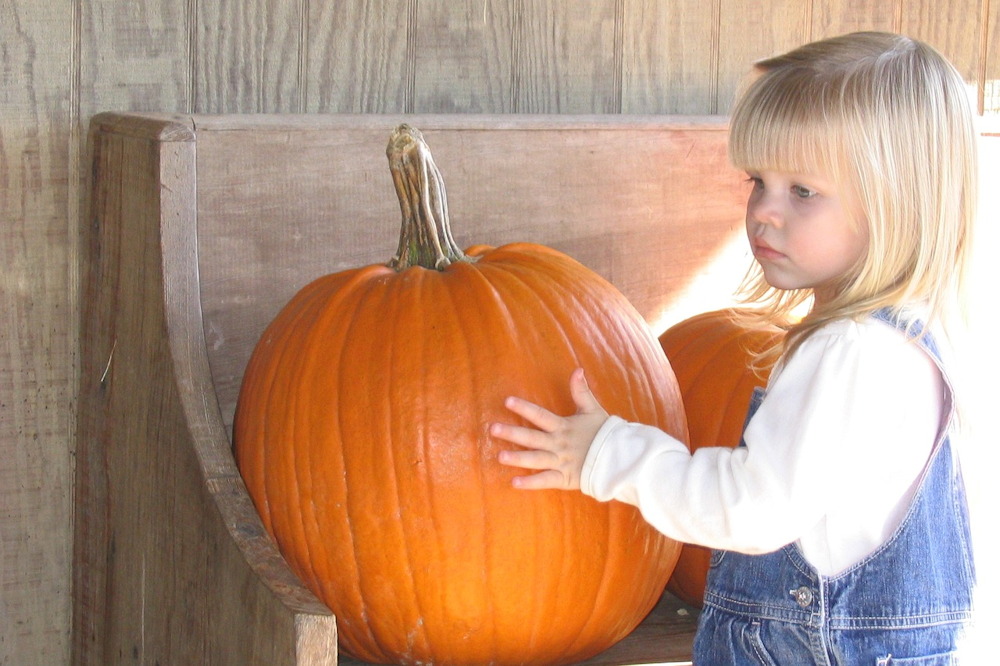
x,y
836,17
357,57
461,55
955,32
670,56
751,30
248,55
37,333
138,60
567,57
989,93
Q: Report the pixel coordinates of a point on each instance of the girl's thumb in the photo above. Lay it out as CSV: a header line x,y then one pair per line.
x,y
580,390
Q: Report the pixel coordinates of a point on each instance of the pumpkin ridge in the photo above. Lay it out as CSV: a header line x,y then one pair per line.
x,y
360,289
513,271
494,279
585,293
260,371
292,374
418,630
637,324
579,642
411,281
435,290
311,299
305,372
466,279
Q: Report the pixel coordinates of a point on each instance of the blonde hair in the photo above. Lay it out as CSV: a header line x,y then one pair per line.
x,y
889,120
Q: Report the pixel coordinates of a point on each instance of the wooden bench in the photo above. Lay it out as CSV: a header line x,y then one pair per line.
x,y
201,227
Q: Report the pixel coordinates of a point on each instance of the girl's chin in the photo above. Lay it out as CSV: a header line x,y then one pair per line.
x,y
782,282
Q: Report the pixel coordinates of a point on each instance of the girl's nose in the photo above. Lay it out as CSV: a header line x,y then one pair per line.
x,y
764,209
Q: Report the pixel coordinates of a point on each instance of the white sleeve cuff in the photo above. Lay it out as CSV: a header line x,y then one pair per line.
x,y
594,453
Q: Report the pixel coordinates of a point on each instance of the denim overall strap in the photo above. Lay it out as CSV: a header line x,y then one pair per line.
x,y
910,598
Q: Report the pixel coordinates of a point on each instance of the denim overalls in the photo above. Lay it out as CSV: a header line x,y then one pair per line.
x,y
906,603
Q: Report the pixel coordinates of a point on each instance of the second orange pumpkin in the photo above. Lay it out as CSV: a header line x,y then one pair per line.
x,y
710,354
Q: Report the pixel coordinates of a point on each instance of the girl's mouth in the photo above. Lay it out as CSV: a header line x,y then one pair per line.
x,y
762,250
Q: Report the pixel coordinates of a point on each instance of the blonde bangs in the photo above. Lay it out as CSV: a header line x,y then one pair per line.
x,y
776,127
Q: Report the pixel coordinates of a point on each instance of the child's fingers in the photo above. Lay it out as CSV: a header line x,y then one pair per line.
x,y
538,416
530,459
526,437
541,481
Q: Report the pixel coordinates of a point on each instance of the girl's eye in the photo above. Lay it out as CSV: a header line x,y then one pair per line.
x,y
803,192
755,182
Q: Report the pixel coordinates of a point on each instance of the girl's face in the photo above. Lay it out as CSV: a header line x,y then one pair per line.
x,y
802,231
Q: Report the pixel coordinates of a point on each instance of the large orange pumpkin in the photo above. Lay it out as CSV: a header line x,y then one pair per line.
x,y
361,433
710,354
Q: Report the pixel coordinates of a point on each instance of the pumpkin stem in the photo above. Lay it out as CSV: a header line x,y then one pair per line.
x,y
425,234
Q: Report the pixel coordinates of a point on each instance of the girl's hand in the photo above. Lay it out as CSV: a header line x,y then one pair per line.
x,y
559,445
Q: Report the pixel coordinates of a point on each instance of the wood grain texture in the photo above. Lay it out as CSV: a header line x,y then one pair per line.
x,y
248,56
835,17
670,56
357,57
955,32
137,60
989,92
753,30
37,336
173,564
568,57
461,55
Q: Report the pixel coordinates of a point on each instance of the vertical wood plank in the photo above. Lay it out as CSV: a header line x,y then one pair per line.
x,y
955,32
753,30
567,57
991,60
358,57
461,54
37,336
837,17
669,56
174,564
135,56
247,56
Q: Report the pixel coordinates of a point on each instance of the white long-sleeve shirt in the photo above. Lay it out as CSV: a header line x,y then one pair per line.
x,y
832,457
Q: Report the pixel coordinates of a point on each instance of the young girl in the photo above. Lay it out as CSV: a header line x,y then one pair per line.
x,y
839,525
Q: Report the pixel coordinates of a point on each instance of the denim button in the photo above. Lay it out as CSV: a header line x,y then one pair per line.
x,y
803,596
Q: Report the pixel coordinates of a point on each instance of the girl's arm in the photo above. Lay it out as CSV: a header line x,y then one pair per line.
x,y
845,429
